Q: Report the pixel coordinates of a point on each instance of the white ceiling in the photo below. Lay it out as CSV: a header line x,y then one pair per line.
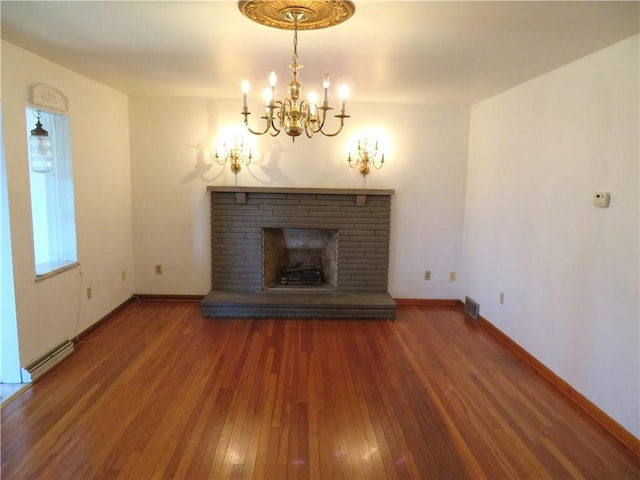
x,y
390,51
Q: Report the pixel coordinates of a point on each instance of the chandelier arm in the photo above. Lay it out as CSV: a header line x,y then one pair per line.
x,y
246,114
280,114
273,129
257,132
314,129
308,119
324,117
341,117
309,131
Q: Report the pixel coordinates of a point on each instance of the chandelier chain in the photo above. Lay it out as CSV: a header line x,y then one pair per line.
x,y
295,40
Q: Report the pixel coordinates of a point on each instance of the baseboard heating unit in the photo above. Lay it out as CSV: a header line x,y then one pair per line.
x,y
50,359
471,307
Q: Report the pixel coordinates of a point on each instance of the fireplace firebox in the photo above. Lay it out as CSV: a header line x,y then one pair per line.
x,y
299,257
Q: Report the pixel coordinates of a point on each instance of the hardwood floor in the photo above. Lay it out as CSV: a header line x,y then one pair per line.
x,y
160,392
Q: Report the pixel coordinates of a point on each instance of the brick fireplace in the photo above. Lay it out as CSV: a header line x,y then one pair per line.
x,y
303,253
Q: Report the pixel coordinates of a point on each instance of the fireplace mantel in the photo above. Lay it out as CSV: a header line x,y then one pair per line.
x,y
323,191
360,194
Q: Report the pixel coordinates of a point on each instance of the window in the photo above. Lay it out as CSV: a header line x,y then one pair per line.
x,y
52,201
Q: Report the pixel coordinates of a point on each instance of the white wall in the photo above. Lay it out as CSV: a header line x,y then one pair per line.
x,y
57,308
425,166
569,271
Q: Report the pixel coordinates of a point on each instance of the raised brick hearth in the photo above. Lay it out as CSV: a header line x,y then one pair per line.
x,y
240,216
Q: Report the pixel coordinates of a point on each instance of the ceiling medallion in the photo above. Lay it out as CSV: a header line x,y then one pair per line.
x,y
312,14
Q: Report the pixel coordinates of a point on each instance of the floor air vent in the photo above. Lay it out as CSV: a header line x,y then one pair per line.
x,y
49,360
471,307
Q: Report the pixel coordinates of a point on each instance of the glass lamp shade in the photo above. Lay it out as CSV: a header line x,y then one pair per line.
x,y
40,153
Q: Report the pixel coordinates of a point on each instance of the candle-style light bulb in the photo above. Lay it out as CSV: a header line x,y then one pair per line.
x,y
268,98
325,86
313,103
272,84
344,93
245,91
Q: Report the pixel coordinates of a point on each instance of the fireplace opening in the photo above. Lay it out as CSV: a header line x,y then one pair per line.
x,y
299,258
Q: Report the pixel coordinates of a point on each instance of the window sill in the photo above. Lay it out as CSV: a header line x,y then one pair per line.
x,y
52,269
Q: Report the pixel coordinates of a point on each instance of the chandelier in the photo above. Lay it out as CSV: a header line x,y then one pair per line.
x,y
294,114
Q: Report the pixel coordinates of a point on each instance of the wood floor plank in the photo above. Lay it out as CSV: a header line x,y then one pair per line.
x,y
161,393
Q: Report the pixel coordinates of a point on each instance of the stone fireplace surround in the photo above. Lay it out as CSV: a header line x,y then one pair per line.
x,y
239,216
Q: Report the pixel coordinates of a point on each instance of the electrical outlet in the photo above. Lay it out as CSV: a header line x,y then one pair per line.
x,y
452,276
158,269
89,293
427,274
501,299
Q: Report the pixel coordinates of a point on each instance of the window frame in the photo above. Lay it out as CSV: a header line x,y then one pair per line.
x,y
54,231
